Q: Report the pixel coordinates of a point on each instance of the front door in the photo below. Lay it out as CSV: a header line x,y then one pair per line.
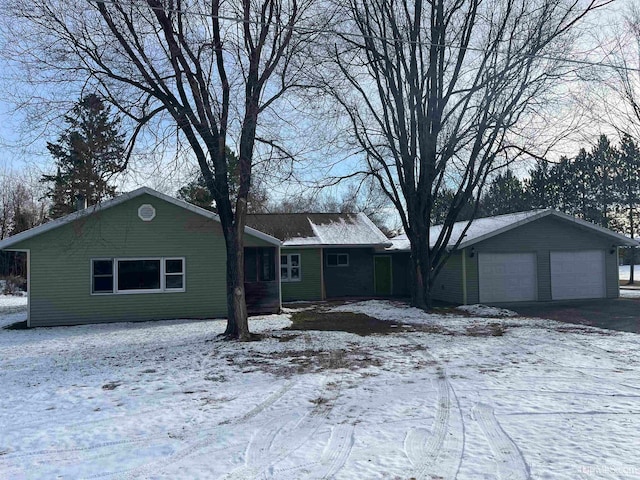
x,y
382,275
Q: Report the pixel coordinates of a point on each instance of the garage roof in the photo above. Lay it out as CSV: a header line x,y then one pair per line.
x,y
484,228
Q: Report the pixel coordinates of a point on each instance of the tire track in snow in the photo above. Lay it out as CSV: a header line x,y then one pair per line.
x,y
193,447
337,451
333,458
47,453
261,443
579,370
438,453
509,460
293,435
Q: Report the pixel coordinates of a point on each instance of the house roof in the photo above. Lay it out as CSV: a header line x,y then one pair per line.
x,y
8,242
484,228
320,229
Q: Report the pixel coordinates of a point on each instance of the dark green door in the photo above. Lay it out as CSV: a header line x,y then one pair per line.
x,y
382,275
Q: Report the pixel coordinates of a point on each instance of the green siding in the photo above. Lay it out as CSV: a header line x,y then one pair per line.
x,y
382,268
61,265
541,237
310,287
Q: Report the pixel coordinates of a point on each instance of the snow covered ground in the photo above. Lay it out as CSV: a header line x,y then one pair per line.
x,y
12,302
455,396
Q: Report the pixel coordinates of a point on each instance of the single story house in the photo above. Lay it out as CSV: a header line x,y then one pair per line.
x,y
140,256
328,255
539,255
145,256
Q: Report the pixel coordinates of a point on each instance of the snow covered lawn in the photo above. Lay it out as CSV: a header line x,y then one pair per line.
x,y
11,303
453,396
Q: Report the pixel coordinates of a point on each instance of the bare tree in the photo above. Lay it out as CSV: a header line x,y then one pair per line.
x,y
439,94
21,205
212,69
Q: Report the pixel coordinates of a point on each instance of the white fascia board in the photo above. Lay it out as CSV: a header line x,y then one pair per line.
x,y
117,201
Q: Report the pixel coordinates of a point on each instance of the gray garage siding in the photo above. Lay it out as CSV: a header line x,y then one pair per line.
x,y
541,237
448,284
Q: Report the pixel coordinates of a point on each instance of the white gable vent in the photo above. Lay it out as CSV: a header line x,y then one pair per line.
x,y
146,212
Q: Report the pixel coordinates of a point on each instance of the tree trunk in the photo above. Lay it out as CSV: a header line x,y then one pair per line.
x,y
420,268
633,249
238,322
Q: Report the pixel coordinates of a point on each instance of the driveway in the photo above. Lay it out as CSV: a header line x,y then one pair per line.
x,y
621,314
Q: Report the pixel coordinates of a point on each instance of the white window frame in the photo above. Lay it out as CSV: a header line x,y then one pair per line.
x,y
289,267
113,278
163,275
338,264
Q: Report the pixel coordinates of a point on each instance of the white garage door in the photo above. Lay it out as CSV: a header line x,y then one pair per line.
x,y
507,277
578,274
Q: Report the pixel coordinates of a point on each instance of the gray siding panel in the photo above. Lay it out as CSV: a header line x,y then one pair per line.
x,y
543,236
356,280
448,284
401,270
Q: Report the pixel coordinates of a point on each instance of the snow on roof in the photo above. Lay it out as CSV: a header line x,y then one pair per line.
x,y
484,228
8,242
318,229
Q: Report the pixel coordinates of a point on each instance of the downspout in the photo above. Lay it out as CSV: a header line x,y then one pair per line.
x,y
277,267
323,292
618,271
28,288
464,277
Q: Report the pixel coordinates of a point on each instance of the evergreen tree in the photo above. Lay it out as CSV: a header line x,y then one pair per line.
x,y
628,186
87,155
540,189
197,193
584,179
563,175
505,195
604,160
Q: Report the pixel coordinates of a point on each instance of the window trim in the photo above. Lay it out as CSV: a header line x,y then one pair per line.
x,y
299,266
163,274
338,264
92,277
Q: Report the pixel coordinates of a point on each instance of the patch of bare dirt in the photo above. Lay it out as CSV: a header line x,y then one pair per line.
x,y
357,323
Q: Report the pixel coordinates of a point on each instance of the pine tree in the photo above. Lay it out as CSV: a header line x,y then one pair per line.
x,y
87,155
604,160
505,195
197,193
628,186
540,189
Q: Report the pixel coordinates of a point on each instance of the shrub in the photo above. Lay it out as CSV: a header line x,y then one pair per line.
x,y
14,285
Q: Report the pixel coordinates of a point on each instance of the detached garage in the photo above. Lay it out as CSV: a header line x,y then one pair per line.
x,y
540,255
